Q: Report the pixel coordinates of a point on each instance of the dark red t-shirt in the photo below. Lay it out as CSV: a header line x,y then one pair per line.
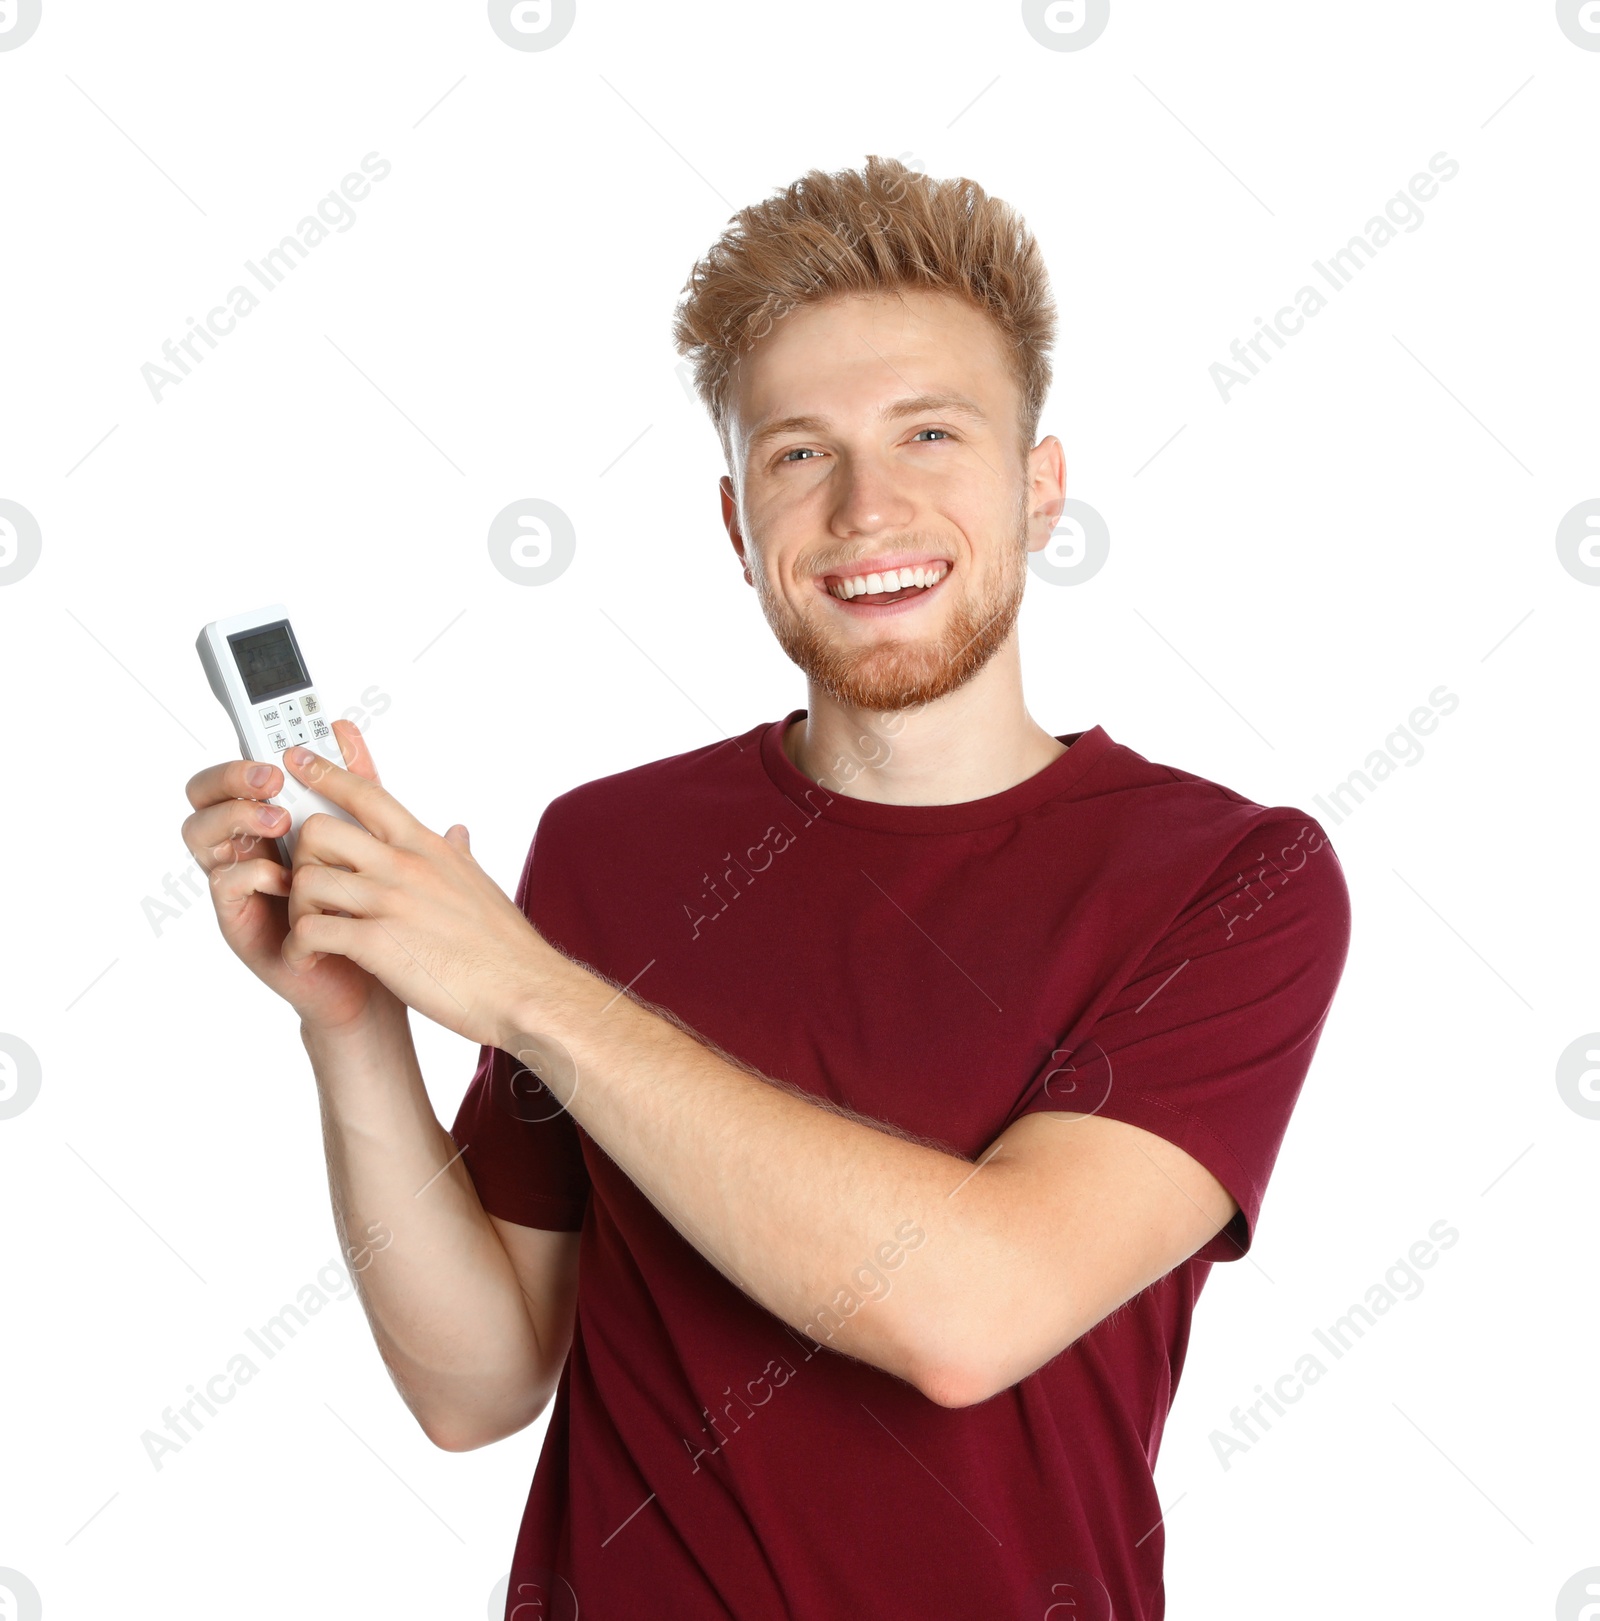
x,y
1109,935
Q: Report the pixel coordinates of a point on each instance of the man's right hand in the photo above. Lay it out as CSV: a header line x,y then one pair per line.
x,y
230,835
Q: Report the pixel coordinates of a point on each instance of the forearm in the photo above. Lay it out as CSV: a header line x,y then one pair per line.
x,y
877,1244
443,1301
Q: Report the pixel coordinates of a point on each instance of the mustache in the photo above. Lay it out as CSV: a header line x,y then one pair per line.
x,y
911,543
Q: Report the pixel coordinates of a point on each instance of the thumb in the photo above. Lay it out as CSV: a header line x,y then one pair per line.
x,y
459,836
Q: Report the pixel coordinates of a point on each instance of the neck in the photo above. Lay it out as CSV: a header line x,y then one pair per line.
x,y
973,742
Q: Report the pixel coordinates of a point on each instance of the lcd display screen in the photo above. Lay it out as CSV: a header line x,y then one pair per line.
x,y
269,661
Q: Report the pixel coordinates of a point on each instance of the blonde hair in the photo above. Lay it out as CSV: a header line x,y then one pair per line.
x,y
876,230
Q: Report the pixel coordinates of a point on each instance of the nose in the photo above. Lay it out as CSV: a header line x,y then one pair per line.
x,y
870,499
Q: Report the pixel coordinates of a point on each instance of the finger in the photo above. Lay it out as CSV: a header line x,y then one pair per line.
x,y
375,808
317,935
231,852
233,779
353,746
328,889
332,842
459,837
231,886
236,829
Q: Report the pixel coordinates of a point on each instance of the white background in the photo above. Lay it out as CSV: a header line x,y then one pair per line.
x,y
1290,576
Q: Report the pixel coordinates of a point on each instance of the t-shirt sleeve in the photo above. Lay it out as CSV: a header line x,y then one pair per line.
x,y
520,1147
1208,1043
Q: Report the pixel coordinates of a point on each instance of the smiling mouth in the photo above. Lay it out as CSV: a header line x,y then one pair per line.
x,y
867,593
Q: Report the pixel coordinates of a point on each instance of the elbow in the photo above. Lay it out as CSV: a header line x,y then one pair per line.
x,y
956,1382
467,1433
946,1390
982,1374
469,1438
947,1362
459,1433
957,1387
457,1440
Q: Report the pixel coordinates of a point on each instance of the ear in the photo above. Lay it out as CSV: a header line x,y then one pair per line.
x,y
730,519
1047,489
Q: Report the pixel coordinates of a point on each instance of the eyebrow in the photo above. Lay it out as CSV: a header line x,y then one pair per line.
x,y
892,412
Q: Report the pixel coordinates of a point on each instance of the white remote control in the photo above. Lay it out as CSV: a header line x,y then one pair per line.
x,y
255,667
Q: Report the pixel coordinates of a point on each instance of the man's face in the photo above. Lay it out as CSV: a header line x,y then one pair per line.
x,y
876,433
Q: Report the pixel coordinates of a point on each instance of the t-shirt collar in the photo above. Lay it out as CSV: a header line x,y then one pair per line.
x,y
832,800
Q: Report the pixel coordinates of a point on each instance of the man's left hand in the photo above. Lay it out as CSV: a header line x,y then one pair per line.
x,y
420,914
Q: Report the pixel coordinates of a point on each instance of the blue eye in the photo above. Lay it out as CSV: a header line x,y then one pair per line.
x,y
920,431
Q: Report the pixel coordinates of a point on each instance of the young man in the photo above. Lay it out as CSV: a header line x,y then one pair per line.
x,y
864,1099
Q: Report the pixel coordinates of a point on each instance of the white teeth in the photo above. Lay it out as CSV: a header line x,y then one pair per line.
x,y
890,580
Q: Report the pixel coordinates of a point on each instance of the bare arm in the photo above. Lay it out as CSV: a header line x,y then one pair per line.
x,y
473,1316
959,1277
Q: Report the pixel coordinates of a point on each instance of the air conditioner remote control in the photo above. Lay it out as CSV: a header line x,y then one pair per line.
x,y
255,667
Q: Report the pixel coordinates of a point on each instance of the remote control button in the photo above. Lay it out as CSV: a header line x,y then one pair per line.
x,y
270,717
298,734
279,739
319,728
309,704
291,711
